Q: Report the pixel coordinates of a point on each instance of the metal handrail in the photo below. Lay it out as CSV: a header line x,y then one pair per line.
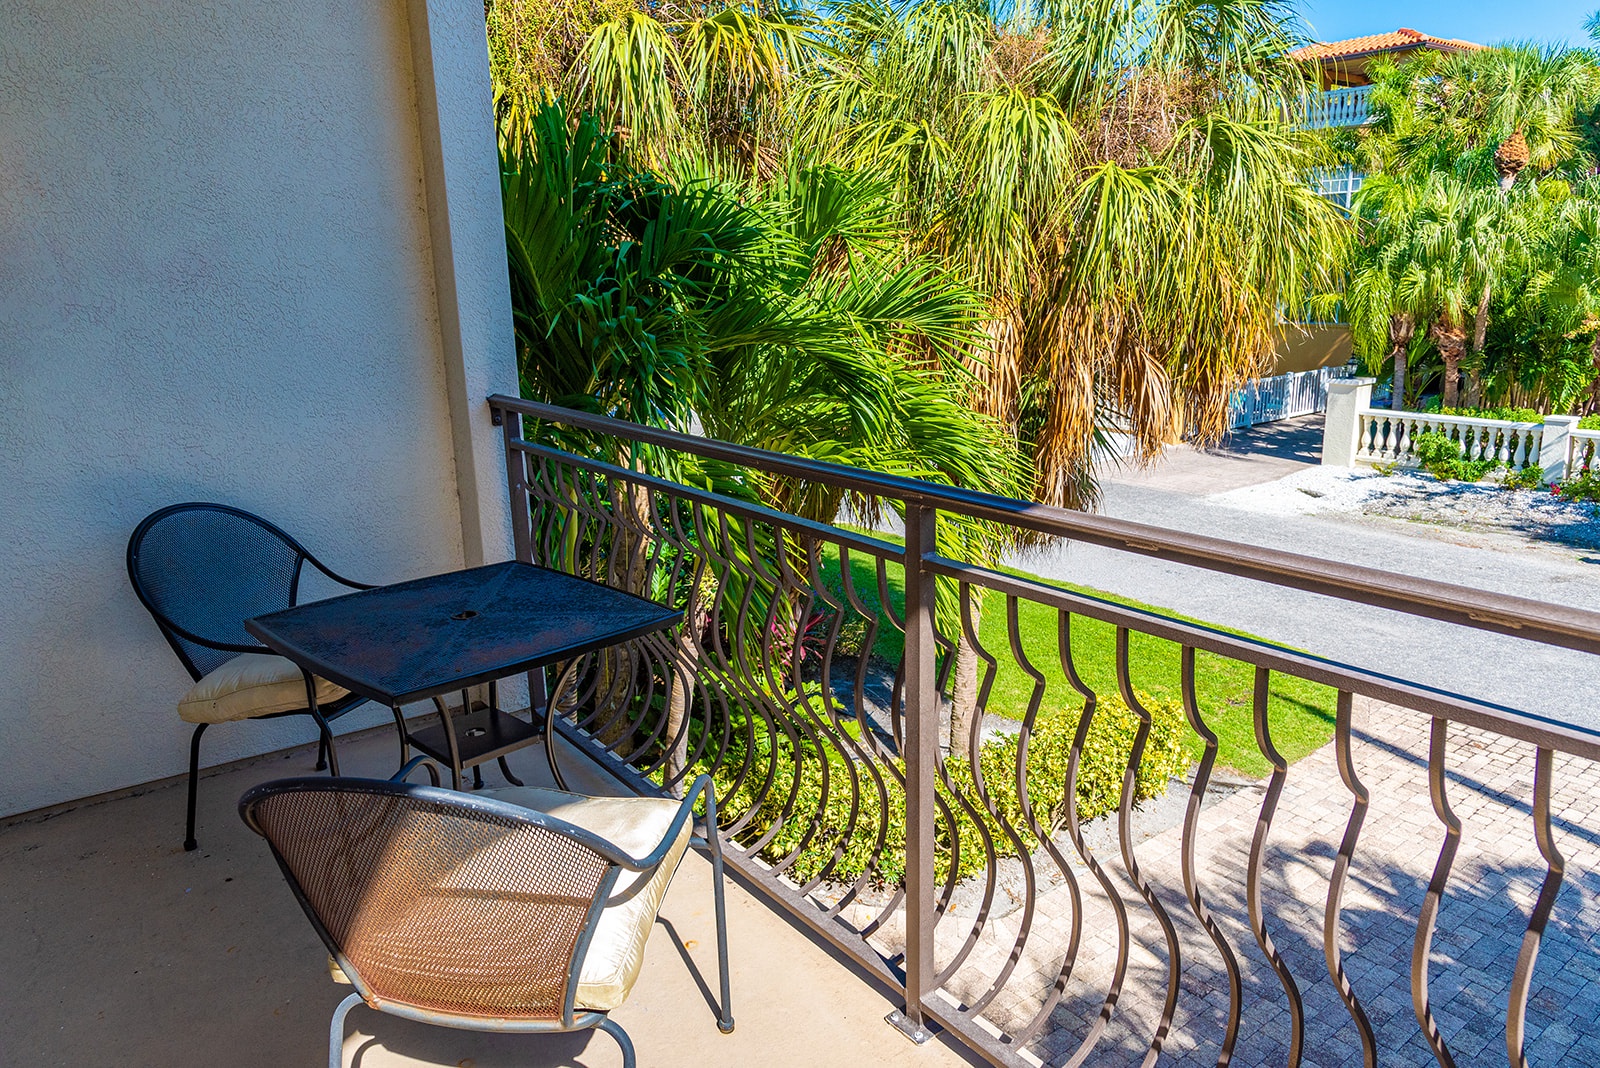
x,y
1523,617
547,482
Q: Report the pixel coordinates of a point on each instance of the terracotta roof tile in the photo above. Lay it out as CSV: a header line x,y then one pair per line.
x,y
1380,42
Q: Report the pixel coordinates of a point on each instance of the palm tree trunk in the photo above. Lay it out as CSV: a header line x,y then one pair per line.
x,y
1401,328
1480,334
1452,342
964,688
1594,387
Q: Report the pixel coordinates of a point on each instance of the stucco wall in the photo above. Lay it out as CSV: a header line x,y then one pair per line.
x,y
216,282
1305,348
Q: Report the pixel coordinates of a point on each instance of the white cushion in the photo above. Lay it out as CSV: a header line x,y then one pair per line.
x,y
636,825
251,685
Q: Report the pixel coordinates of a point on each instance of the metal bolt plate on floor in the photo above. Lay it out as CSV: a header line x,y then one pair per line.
x,y
918,1033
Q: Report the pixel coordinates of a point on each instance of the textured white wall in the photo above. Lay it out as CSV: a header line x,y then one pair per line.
x,y
216,282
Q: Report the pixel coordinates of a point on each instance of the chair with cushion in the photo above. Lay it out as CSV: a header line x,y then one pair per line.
x,y
520,910
202,570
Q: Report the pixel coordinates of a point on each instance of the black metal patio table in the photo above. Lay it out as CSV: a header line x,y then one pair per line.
x,y
428,637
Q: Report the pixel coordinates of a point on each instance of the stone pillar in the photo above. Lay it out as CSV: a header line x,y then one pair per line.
x,y
1341,428
1556,445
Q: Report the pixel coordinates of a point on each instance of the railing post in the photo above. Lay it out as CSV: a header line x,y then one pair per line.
x,y
1341,428
922,768
521,528
1555,448
517,485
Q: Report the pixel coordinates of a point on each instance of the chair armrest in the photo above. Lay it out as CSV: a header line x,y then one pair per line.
x,y
701,785
335,576
415,762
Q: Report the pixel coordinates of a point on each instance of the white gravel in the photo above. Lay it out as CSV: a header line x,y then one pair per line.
x,y
1536,515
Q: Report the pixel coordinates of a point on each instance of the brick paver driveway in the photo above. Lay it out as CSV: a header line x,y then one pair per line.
x,y
1493,885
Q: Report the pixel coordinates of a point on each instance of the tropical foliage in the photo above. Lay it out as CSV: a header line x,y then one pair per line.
x,y
1474,271
1119,185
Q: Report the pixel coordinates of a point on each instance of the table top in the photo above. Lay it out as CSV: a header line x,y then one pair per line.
x,y
413,640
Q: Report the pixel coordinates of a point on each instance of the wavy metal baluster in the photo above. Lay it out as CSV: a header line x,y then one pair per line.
x,y
1437,738
1119,971
886,759
1023,854
1258,848
1046,838
1555,868
1130,859
1191,880
991,869
857,754
1341,871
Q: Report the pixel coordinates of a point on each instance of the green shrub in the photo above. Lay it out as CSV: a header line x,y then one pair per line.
x,y
1584,486
1509,415
1445,461
1529,478
829,838
1590,422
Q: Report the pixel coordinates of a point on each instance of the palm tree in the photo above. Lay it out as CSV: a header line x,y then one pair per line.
x,y
790,318
1119,180
1482,119
1454,244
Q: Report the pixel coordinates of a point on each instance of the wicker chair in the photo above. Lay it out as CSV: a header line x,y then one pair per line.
x,y
521,910
202,570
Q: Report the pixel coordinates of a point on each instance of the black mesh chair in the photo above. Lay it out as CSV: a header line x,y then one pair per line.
x,y
202,570
521,910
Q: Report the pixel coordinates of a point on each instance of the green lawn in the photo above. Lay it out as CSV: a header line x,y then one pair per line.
x,y
1300,713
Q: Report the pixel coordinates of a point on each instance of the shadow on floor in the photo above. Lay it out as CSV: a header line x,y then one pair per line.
x,y
1298,439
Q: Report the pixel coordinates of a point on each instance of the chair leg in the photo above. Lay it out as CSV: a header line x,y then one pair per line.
x,y
189,844
614,1029
336,1031
322,754
714,841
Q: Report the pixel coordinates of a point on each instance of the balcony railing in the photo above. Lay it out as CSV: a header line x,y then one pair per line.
x,y
1349,105
967,885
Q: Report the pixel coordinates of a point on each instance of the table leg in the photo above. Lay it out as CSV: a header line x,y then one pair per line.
x,y
322,724
405,739
450,740
505,769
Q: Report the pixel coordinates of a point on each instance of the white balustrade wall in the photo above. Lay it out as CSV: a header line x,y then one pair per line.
x,y
1390,437
1582,446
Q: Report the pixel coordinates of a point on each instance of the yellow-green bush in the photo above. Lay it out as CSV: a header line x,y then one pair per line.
x,y
832,840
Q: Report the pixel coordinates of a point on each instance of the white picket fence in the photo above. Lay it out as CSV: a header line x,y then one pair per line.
x,y
1389,437
1266,400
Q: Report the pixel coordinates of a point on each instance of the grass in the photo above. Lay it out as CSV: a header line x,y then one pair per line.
x,y
1300,713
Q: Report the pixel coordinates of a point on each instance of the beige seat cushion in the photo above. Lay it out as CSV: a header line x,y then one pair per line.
x,y
251,685
636,825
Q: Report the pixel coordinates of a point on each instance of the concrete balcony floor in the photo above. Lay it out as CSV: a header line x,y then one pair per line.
x,y
121,949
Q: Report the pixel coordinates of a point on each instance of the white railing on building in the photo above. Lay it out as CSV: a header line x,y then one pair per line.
x,y
1348,105
1266,400
1357,433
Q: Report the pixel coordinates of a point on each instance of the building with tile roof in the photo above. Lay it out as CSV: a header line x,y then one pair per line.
x,y
1344,63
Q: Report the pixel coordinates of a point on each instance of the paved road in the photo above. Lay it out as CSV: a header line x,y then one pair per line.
x,y
1557,683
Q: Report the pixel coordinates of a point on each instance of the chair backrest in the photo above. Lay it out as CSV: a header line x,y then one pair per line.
x,y
203,569
435,900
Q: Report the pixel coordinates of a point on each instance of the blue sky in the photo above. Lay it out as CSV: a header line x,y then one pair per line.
x,y
1557,21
